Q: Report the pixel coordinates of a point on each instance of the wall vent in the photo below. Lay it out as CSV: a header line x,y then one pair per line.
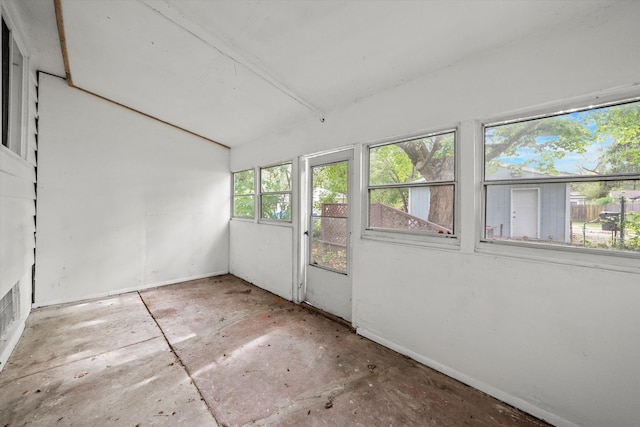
x,y
9,306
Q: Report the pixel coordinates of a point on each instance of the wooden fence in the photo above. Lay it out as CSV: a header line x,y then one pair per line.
x,y
587,213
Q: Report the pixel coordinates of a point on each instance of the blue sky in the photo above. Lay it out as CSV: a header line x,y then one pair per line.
x,y
572,162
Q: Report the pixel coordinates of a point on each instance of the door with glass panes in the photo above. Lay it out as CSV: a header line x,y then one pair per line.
x,y
328,251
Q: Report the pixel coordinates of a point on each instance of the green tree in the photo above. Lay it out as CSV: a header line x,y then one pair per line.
x,y
332,177
433,159
621,124
276,180
545,141
330,184
632,230
389,164
243,190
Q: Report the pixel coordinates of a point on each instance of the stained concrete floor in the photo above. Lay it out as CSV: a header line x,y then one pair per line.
x,y
220,351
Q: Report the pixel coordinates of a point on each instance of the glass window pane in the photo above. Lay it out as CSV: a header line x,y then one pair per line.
x,y
429,159
599,214
276,178
425,209
329,243
15,104
6,68
597,142
243,206
243,182
276,206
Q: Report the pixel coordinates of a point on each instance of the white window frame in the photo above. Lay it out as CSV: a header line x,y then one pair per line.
x,y
16,143
567,255
434,240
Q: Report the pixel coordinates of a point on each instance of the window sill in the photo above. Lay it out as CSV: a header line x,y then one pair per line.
x,y
242,219
288,224
446,242
615,261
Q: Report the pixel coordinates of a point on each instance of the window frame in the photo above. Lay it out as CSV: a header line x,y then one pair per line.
x,y
15,99
288,192
234,195
545,252
442,241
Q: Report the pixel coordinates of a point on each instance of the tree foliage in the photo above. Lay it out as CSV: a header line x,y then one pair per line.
x,y
243,190
276,180
632,227
622,125
333,178
389,164
544,141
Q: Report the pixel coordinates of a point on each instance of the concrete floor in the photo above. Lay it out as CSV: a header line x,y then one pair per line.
x,y
219,351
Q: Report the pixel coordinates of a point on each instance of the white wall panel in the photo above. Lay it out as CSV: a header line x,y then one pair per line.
x,y
542,335
263,254
124,202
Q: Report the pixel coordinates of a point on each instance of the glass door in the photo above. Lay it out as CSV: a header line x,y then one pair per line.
x,y
328,281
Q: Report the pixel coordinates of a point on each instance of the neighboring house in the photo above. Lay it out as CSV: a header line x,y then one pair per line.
x,y
528,211
577,198
420,201
518,211
628,194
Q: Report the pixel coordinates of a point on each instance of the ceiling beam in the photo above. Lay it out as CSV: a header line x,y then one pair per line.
x,y
172,14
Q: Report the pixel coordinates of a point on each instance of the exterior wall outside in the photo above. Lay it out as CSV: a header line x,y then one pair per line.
x,y
553,210
124,202
551,333
17,205
420,202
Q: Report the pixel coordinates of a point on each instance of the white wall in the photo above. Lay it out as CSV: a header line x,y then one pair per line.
x,y
17,227
124,202
261,254
17,203
555,337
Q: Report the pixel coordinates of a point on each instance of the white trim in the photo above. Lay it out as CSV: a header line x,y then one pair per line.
x,y
295,224
620,262
477,384
16,40
567,216
618,95
7,10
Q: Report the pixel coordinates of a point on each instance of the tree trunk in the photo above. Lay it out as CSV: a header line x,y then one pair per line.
x,y
441,206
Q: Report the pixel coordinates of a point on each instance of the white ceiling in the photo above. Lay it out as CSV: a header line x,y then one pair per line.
x,y
233,71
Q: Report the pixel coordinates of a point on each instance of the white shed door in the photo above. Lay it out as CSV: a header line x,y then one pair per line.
x,y
525,213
